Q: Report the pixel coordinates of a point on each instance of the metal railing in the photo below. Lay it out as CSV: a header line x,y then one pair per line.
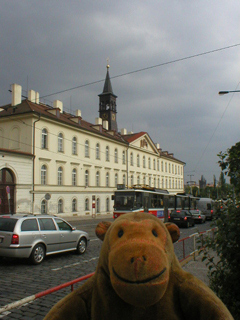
x,y
181,243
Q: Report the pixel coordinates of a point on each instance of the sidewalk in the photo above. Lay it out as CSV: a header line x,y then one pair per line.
x,y
198,268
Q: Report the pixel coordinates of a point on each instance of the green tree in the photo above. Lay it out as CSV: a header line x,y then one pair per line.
x,y
224,271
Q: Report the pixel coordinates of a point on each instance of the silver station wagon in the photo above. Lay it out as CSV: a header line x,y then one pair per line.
x,y
35,236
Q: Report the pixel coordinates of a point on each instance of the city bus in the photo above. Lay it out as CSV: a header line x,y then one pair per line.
x,y
155,201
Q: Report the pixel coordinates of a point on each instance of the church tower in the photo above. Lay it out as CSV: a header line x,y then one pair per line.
x,y
107,104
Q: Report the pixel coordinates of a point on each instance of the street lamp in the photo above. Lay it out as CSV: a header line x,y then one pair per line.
x,y
226,92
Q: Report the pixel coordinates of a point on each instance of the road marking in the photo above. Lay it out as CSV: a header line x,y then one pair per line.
x,y
74,264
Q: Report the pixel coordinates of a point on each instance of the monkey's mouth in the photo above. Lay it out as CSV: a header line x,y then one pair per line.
x,y
139,281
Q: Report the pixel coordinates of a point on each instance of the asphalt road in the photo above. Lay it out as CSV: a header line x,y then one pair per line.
x,y
20,279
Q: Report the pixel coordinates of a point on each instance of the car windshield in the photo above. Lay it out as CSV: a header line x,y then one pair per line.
x,y
7,224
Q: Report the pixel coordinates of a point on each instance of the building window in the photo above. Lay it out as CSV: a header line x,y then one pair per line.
x,y
44,138
154,183
144,162
124,157
132,181
166,184
60,206
165,166
154,164
172,168
43,174
74,145
116,156
124,179
97,179
162,166
43,207
149,163
158,183
131,159
138,180
86,204
150,181
138,160
60,142
169,168
162,182
98,205
107,205
86,178
170,183
158,167
107,153
107,179
86,149
60,176
97,151
116,180
144,180
74,177
74,205
173,183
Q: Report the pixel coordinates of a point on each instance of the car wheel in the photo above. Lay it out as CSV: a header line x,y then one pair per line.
x,y
38,254
82,246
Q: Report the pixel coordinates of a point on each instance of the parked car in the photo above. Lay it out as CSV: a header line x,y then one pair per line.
x,y
198,216
181,218
35,236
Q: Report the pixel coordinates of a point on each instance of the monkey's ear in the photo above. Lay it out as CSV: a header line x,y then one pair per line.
x,y
173,230
101,229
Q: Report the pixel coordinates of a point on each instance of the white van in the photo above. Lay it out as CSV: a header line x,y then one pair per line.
x,y
206,206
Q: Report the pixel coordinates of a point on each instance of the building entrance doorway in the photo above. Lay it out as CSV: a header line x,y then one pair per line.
x,y
7,191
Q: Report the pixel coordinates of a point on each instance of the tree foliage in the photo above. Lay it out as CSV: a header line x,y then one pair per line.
x,y
224,270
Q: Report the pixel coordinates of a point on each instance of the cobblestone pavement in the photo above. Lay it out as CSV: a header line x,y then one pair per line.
x,y
19,279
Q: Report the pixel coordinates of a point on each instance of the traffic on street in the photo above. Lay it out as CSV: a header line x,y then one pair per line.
x,y
20,279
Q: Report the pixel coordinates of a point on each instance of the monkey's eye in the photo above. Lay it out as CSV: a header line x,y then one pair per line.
x,y
154,232
120,233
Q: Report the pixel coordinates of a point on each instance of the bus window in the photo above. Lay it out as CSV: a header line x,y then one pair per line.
x,y
145,203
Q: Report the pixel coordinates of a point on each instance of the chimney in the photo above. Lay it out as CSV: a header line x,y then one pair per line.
x,y
16,94
105,124
37,98
32,96
58,104
98,121
78,113
157,145
123,132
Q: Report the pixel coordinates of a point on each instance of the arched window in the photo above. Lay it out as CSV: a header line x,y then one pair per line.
x,y
107,205
116,180
60,176
132,181
74,145
98,205
44,138
131,159
86,149
124,157
149,163
60,142
97,179
74,177
97,151
86,178
107,153
86,204
138,160
116,156
44,207
107,179
138,179
124,179
74,205
43,174
60,206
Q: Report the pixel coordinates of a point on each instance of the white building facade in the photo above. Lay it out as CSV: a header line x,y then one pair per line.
x,y
62,164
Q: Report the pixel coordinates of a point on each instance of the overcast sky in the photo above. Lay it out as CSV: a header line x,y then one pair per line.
x,y
50,46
